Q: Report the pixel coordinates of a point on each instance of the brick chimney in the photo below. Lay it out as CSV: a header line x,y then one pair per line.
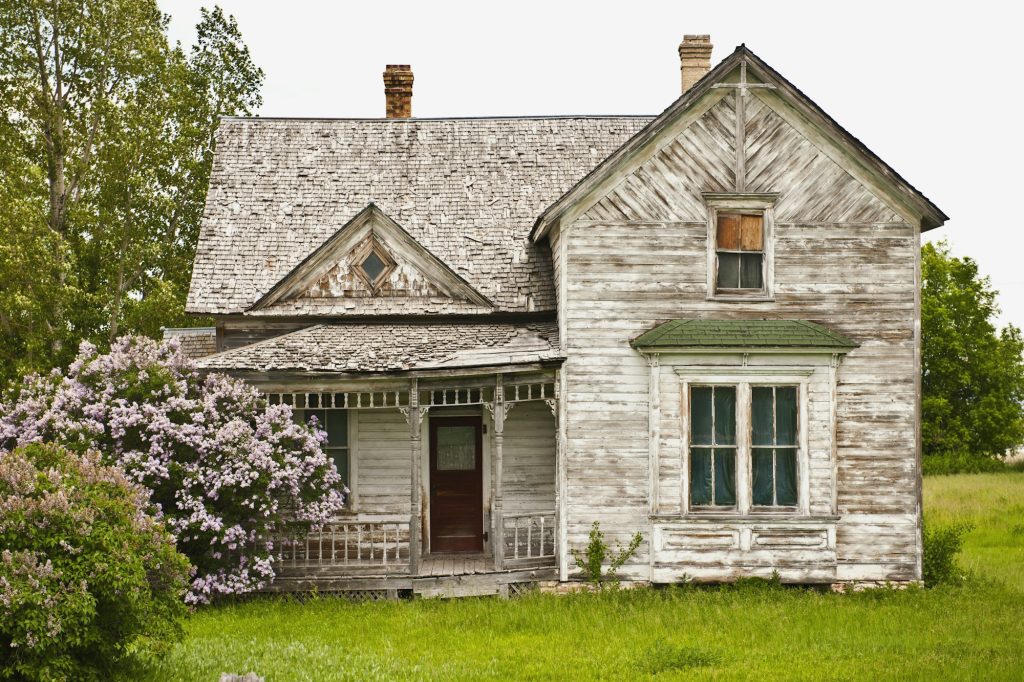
x,y
398,90
694,58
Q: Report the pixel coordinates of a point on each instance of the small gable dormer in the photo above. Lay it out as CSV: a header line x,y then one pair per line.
x,y
370,266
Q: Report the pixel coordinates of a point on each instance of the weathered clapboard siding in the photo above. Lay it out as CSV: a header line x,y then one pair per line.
x,y
383,452
528,476
843,258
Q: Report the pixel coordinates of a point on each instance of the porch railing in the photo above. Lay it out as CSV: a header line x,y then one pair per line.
x,y
529,536
350,545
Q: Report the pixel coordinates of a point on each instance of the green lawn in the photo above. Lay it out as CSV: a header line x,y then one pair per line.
x,y
747,632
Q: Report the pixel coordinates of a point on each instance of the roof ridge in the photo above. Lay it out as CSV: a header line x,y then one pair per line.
x,y
438,119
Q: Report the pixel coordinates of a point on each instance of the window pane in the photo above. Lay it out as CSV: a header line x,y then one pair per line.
x,y
337,427
752,234
785,415
340,458
456,448
728,270
761,469
373,266
700,415
700,476
785,477
725,415
750,271
729,231
761,415
725,477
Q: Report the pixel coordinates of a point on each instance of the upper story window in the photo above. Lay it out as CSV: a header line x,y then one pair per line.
x,y
740,251
740,247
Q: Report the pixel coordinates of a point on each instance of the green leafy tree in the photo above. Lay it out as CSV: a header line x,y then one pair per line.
x,y
972,374
107,134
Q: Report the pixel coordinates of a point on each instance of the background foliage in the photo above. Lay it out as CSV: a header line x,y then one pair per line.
x,y
226,471
84,570
106,141
972,374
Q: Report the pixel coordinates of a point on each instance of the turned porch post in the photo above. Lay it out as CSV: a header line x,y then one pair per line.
x,y
497,521
416,505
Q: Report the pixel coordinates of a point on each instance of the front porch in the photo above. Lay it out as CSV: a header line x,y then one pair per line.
x,y
439,516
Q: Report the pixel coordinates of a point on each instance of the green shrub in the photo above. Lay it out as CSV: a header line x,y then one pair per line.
x,y
591,559
960,463
941,546
84,571
666,657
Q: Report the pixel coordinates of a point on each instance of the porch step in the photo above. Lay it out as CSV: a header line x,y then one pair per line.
x,y
476,585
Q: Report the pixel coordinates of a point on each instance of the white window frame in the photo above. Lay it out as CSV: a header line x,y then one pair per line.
x,y
744,381
749,203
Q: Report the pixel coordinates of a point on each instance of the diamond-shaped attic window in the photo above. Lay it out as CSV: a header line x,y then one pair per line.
x,y
373,266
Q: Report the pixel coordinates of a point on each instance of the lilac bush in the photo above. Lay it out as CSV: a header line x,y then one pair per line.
x,y
226,471
85,571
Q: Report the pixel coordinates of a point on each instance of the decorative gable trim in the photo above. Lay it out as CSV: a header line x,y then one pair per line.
x,y
386,237
781,96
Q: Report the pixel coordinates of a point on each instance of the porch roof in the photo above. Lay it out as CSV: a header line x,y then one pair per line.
x,y
371,348
742,334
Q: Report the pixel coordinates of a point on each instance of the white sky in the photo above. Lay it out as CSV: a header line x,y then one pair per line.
x,y
929,87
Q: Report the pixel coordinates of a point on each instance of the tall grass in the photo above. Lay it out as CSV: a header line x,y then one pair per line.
x,y
750,631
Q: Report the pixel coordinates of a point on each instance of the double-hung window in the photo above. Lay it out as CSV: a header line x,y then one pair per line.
x,y
335,423
740,246
713,446
743,434
739,249
773,446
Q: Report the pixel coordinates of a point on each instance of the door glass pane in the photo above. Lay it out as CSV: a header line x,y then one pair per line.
x,y
785,477
761,415
750,271
725,415
700,476
785,415
725,477
456,448
761,469
728,270
700,415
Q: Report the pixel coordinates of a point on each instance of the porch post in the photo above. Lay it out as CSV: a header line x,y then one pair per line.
x,y
416,505
497,521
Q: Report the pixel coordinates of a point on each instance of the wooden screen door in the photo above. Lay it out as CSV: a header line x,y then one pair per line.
x,y
456,484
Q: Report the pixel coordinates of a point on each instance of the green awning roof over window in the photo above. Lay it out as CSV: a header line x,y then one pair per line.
x,y
797,334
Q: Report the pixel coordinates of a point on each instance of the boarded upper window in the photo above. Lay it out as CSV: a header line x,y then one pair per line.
x,y
740,251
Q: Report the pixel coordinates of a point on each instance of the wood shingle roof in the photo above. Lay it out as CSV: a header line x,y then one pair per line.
x,y
468,190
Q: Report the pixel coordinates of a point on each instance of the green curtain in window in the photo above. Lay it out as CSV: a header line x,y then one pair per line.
x,y
762,475
700,415
725,477
785,477
700,476
761,415
785,415
725,415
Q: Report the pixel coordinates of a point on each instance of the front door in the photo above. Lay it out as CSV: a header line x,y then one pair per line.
x,y
456,484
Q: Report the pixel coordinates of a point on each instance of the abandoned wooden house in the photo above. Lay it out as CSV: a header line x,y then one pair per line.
x,y
701,325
